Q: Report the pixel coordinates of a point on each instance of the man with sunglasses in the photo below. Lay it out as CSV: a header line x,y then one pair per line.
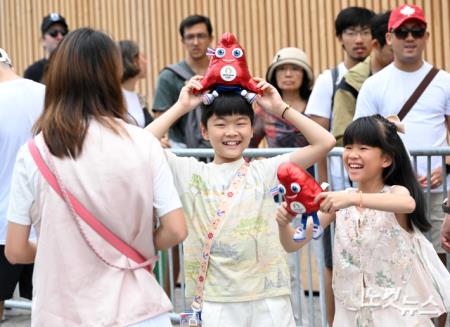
x,y
428,120
53,29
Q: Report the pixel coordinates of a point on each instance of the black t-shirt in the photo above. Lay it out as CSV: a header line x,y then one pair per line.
x,y
35,71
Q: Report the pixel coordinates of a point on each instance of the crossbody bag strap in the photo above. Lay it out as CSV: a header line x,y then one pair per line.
x,y
417,93
78,210
213,230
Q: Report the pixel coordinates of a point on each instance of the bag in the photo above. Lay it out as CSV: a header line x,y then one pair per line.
x,y
192,132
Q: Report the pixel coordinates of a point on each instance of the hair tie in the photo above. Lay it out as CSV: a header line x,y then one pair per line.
x,y
399,126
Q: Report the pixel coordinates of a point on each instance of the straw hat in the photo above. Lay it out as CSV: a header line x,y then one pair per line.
x,y
292,56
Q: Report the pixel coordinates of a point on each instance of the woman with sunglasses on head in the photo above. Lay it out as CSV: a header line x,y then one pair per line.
x,y
86,187
134,69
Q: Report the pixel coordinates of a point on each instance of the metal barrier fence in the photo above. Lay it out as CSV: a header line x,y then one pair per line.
x,y
313,249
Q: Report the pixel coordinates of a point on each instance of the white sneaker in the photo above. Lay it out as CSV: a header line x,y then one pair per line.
x,y
317,232
300,234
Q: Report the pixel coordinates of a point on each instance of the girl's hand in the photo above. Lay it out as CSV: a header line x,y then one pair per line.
x,y
283,217
187,99
333,201
270,100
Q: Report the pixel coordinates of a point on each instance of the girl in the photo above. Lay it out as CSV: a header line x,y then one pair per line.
x,y
118,172
385,271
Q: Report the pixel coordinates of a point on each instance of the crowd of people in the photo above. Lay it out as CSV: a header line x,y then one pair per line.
x,y
90,189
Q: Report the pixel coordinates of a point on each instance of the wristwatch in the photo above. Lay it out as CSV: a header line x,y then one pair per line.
x,y
445,207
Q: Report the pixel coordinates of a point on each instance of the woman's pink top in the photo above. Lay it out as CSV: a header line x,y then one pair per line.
x,y
114,178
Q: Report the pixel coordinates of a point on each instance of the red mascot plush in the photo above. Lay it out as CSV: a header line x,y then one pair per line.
x,y
299,189
228,71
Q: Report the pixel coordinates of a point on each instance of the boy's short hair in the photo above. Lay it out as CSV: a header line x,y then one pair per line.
x,y
227,104
352,17
379,27
194,20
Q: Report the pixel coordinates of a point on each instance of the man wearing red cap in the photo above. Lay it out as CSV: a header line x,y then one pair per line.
x,y
428,120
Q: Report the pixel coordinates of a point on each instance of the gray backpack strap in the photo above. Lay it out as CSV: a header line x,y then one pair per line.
x,y
179,70
334,77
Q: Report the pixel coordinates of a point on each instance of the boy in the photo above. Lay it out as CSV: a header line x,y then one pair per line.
x,y
247,280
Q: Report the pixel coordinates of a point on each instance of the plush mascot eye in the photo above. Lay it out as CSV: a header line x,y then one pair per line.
x,y
281,189
220,52
295,188
237,52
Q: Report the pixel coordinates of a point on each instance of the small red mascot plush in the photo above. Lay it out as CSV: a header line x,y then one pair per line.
x,y
299,189
228,71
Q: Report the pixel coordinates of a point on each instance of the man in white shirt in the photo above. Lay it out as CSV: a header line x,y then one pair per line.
x,y
428,121
21,103
352,26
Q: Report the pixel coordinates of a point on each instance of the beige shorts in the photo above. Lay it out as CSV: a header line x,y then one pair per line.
x,y
436,220
270,312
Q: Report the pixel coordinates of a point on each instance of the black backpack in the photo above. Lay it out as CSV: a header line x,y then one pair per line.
x,y
194,138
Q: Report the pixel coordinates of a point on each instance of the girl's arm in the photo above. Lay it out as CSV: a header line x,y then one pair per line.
x,y
397,201
171,231
320,140
18,249
187,101
286,232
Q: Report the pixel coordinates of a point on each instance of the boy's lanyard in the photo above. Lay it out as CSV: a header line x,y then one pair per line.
x,y
213,230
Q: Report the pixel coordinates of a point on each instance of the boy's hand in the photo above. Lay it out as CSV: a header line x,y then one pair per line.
x,y
270,100
283,217
333,201
187,99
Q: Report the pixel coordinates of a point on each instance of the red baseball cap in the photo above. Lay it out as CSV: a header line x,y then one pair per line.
x,y
403,13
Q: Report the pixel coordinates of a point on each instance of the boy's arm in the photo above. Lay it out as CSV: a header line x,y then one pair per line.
x,y
187,101
320,140
286,232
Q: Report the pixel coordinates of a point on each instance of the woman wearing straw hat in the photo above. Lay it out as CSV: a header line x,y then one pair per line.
x,y
292,76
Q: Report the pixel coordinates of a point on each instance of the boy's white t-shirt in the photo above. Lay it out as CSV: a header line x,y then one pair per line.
x,y
134,107
247,261
425,123
21,103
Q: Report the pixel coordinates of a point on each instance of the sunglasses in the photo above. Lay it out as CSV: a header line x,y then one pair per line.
x,y
403,32
54,33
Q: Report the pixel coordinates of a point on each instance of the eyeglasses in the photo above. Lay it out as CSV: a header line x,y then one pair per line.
x,y
403,32
192,37
351,33
54,33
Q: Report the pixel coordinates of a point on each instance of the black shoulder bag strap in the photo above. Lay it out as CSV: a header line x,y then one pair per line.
x,y
417,93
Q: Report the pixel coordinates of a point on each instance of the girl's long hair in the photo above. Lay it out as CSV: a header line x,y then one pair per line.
x,y
83,82
376,131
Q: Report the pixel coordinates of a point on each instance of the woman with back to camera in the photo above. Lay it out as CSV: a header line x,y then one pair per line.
x,y
83,138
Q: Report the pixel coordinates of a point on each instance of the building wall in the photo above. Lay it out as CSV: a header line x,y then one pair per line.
x,y
262,27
